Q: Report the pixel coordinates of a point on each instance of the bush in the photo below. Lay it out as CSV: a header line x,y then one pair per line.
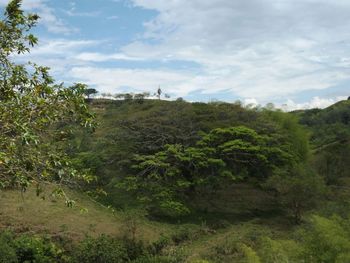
x,y
7,253
157,246
279,251
180,236
103,249
38,250
134,248
249,254
26,248
327,240
187,233
154,259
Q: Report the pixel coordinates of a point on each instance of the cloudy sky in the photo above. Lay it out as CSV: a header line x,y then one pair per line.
x,y
294,52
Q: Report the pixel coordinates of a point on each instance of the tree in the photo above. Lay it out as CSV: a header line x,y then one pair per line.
x,y
297,189
125,96
33,111
159,93
140,97
246,152
89,91
169,179
165,180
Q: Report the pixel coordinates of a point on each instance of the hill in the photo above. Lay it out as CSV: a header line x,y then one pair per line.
x,y
244,216
330,140
25,212
328,125
143,128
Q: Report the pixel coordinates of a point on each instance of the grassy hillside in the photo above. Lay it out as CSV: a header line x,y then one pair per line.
x,y
188,241
248,219
27,212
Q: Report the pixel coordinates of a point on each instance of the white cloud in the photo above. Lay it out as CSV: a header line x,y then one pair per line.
x,y
59,55
291,105
262,49
47,16
53,47
98,57
250,102
112,17
267,50
315,102
73,12
139,80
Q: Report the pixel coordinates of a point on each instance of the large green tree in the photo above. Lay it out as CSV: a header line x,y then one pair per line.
x,y
169,179
33,110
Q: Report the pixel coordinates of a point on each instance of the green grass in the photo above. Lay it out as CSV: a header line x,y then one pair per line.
x,y
28,213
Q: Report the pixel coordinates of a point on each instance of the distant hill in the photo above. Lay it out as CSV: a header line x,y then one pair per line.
x,y
330,139
328,125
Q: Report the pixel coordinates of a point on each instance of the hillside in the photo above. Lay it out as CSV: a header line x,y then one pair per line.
x,y
329,125
50,216
248,219
330,140
129,128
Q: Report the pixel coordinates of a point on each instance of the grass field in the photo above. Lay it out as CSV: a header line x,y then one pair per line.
x,y
197,237
28,213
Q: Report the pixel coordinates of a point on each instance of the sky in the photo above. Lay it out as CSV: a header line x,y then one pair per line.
x,y
293,53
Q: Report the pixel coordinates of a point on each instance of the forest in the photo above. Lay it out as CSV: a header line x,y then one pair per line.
x,y
148,180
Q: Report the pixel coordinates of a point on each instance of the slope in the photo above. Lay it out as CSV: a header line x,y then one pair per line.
x,y
28,213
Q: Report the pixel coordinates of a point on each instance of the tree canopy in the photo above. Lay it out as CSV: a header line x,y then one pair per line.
x,y
33,110
169,178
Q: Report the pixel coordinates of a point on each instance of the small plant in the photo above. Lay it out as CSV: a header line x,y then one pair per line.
x,y
157,246
180,236
131,222
134,248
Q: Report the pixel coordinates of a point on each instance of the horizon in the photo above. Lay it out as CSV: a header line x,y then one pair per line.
x,y
286,52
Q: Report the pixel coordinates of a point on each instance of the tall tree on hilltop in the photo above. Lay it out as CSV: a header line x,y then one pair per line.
x,y
159,93
90,91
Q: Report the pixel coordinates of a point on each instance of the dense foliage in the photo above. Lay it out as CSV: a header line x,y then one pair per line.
x,y
177,173
169,154
33,110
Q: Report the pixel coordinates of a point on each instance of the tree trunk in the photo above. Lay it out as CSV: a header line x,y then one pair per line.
x,y
297,212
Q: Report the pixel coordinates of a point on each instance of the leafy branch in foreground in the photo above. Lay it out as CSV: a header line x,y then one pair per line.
x,y
34,111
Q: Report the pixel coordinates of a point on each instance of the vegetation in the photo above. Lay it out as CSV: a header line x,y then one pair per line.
x,y
33,111
174,181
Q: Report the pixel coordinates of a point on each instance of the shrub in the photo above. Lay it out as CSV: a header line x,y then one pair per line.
x,y
327,240
103,249
134,248
7,252
279,251
250,255
187,233
38,250
157,246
